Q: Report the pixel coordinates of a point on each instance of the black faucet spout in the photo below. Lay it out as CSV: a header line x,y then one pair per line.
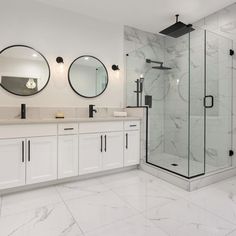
x,y
92,111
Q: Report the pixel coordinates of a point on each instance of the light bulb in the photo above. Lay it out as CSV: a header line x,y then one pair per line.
x,y
31,84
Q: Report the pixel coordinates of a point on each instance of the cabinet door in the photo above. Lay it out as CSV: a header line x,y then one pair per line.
x,y
113,150
68,160
90,153
132,148
41,159
12,163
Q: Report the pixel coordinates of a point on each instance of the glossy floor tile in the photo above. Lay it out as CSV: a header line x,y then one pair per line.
x,y
124,204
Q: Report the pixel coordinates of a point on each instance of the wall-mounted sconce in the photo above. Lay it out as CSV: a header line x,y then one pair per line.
x,y
59,60
115,67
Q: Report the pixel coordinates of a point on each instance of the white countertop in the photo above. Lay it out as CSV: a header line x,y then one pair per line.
x,y
66,120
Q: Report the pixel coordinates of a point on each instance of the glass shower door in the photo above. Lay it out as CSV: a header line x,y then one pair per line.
x,y
218,102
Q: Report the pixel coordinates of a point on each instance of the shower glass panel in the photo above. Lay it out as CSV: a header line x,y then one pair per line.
x,y
219,77
186,135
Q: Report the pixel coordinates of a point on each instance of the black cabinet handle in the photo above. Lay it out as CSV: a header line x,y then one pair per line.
x,y
101,144
28,150
105,149
212,101
126,144
23,151
68,128
132,125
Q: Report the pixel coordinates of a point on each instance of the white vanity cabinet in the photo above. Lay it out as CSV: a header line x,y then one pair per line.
x,y
90,153
100,146
132,143
41,163
28,154
35,153
12,163
68,160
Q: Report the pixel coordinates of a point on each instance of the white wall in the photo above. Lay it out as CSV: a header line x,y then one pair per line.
x,y
55,32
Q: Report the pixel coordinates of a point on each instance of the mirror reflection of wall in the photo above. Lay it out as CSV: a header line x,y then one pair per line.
x,y
23,71
88,77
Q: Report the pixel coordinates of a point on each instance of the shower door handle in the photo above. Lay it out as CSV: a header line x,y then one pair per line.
x,y
212,101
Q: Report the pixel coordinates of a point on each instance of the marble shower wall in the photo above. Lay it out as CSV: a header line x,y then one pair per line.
x,y
140,46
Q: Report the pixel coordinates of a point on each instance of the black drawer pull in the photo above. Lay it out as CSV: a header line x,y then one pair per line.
x,y
127,144
68,128
28,150
132,125
101,143
23,151
105,149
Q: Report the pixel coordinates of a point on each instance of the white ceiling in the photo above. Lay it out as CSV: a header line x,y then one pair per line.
x,y
149,15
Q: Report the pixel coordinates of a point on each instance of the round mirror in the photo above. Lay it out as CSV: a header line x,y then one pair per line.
x,y
88,76
23,70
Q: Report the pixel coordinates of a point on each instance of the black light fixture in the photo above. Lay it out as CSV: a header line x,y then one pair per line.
x,y
115,67
59,60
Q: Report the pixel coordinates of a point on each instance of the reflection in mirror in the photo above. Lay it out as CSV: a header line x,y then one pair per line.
x,y
88,76
23,70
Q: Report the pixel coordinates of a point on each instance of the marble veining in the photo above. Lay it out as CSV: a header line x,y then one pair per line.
x,y
128,203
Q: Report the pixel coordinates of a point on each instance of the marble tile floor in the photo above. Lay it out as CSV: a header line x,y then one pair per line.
x,y
124,204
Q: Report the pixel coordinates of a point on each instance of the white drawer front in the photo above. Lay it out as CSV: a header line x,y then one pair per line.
x,y
96,127
34,130
69,128
132,125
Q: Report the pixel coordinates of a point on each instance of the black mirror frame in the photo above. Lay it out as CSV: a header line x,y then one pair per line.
x,y
49,71
104,68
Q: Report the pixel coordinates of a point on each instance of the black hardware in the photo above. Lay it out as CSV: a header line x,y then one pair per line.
x,y
69,129
231,153
92,110
23,151
132,125
231,52
177,29
59,60
23,111
212,101
101,144
126,144
28,150
139,90
115,67
105,149
148,101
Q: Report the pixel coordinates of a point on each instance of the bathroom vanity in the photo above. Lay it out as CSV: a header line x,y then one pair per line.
x,y
36,151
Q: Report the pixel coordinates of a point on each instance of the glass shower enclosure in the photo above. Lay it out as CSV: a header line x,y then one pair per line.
x,y
190,120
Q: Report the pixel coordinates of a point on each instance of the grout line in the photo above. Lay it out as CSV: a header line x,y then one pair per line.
x,y
68,209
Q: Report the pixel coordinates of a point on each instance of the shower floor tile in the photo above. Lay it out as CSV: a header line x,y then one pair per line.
x,y
179,165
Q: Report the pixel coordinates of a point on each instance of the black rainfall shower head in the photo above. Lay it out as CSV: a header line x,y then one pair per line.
x,y
178,29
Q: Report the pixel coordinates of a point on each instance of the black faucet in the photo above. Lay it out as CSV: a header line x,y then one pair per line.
x,y
23,111
92,110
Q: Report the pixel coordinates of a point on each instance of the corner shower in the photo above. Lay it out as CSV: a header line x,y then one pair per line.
x,y
190,120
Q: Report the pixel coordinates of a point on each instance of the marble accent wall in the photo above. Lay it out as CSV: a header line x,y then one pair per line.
x,y
139,46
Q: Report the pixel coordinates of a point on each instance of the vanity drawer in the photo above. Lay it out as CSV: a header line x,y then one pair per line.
x,y
132,125
99,127
69,128
20,131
